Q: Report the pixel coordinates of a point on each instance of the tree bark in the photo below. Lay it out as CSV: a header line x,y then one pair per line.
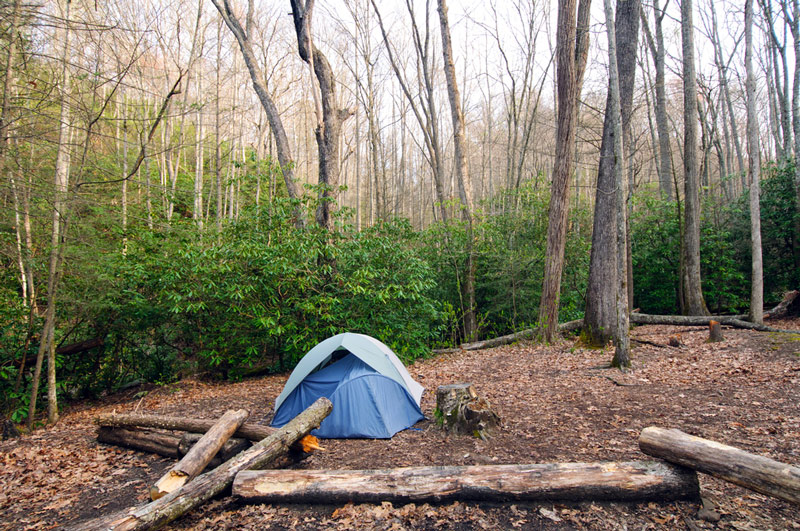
x,y
693,291
703,320
751,471
250,431
257,77
789,305
559,192
754,169
164,444
461,170
200,454
715,332
205,487
529,333
609,481
329,124
61,185
601,297
629,37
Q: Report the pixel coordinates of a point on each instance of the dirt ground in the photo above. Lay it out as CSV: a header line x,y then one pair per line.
x,y
556,404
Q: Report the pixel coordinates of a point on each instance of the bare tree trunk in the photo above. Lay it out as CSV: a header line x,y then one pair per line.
x,y
600,320
693,292
257,76
621,325
461,170
754,167
794,26
61,183
662,123
422,104
329,116
566,47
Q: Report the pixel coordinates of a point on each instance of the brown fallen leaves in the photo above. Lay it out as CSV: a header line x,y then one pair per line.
x,y
556,403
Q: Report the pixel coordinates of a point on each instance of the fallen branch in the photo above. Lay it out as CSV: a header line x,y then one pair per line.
x,y
529,333
195,493
200,454
627,481
754,472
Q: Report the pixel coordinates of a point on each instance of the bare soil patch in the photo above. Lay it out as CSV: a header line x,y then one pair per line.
x,y
556,402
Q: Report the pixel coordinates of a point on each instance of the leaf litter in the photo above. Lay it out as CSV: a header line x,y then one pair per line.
x,y
556,402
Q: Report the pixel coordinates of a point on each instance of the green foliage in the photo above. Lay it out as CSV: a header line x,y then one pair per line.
x,y
255,298
778,217
510,243
724,247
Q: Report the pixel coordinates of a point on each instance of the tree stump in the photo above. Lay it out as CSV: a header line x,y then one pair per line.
x,y
462,411
675,341
714,332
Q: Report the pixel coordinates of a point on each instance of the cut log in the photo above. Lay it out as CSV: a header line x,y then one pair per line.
x,y
529,333
751,471
145,440
206,486
714,332
790,305
232,447
626,481
463,411
675,341
196,459
248,430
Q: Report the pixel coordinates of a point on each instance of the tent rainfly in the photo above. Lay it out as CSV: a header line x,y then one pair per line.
x,y
372,393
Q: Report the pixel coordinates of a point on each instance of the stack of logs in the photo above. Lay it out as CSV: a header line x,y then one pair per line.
x,y
673,477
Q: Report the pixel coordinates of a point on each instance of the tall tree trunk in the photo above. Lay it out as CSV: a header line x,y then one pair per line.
x,y
693,291
329,115
754,166
621,340
257,77
461,171
658,52
61,184
600,320
794,26
567,92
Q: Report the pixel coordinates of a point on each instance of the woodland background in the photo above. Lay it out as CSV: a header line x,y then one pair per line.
x,y
148,230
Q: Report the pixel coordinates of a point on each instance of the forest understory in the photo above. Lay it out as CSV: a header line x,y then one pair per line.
x,y
556,402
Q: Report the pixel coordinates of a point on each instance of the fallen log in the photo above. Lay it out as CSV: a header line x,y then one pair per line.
x,y
736,321
248,430
200,454
681,320
206,486
626,481
165,444
529,333
233,446
789,305
751,471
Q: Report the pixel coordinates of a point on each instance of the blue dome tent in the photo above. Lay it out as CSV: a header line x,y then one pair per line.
x,y
372,393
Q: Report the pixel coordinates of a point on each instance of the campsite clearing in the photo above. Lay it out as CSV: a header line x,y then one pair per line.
x,y
556,405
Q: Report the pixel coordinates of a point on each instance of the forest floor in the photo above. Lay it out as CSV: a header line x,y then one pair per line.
x,y
556,404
